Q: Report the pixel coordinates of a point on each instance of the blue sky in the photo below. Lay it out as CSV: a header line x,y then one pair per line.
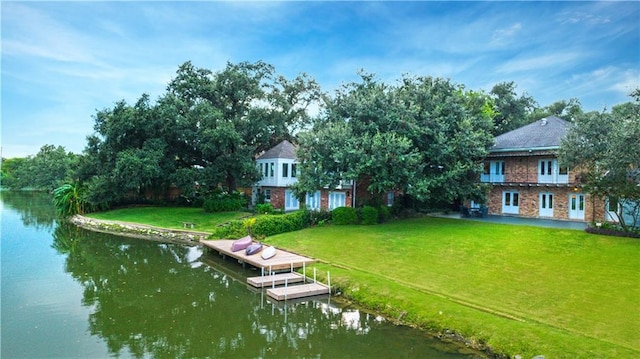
x,y
62,61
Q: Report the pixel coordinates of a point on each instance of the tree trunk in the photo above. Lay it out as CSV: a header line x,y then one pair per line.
x,y
231,183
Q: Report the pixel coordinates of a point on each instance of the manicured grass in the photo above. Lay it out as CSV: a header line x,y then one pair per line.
x,y
524,290
170,217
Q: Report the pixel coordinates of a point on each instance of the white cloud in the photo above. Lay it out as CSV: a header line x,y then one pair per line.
x,y
545,61
503,36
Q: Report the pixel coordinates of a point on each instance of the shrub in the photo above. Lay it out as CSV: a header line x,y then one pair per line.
x,y
344,215
264,208
369,215
268,225
231,229
384,214
319,218
224,202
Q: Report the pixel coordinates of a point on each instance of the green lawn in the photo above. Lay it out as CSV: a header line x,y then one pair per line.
x,y
169,217
524,290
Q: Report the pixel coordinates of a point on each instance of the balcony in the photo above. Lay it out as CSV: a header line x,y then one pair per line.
x,y
492,178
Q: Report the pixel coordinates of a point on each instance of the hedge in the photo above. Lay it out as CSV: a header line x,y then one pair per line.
x,y
344,215
369,215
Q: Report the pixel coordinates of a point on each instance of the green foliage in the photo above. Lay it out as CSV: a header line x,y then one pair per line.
x,y
369,215
319,218
225,202
384,214
264,208
425,137
511,111
231,230
50,168
69,199
204,131
604,146
344,215
269,225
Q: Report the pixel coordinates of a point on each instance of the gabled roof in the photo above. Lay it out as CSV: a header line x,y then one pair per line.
x,y
546,133
284,149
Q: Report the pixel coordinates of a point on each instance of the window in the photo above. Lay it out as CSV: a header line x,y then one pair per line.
x,y
337,199
612,204
312,200
290,201
487,168
267,195
293,170
266,169
564,170
285,170
261,169
271,169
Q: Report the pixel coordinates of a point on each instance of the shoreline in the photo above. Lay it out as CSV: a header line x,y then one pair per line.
x,y
141,231
193,238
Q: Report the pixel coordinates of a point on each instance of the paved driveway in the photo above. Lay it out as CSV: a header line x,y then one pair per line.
x,y
550,223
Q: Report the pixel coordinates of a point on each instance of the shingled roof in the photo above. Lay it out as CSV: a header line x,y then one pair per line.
x,y
546,133
284,149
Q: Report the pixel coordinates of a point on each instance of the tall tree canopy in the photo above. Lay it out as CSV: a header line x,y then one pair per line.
x,y
204,131
511,111
605,147
425,137
49,168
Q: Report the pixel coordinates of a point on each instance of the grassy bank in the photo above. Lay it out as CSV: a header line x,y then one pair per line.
x,y
169,217
522,290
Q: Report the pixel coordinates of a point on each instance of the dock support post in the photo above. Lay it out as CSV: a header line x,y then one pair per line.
x,y
329,281
314,275
286,288
304,272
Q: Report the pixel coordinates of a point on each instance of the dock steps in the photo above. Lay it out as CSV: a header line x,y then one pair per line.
x,y
275,280
298,291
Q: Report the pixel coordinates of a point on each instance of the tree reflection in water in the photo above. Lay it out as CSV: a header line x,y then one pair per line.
x,y
35,208
161,300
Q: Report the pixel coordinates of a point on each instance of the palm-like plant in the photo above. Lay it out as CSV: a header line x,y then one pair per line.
x,y
69,199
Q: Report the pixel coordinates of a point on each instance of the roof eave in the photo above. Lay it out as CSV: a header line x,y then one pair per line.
x,y
521,149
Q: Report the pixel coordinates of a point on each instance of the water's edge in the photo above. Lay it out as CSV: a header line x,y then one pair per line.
x,y
193,238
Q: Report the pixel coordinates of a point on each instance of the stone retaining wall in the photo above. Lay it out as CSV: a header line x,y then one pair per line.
x,y
140,231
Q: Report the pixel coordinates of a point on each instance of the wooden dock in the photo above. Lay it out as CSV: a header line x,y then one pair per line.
x,y
298,291
283,260
275,280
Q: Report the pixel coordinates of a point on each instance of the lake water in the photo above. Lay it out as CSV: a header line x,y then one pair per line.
x,y
71,293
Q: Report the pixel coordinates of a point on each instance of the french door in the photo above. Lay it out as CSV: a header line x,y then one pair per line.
x,y
546,204
576,206
510,202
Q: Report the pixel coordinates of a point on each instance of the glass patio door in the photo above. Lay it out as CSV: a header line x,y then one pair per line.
x,y
576,206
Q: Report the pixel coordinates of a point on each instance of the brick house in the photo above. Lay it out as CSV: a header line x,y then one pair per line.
x,y
278,167
527,180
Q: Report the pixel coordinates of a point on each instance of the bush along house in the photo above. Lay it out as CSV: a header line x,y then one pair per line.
x,y
526,179
278,167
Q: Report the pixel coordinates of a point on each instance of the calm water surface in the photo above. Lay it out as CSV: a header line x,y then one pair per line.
x,y
70,293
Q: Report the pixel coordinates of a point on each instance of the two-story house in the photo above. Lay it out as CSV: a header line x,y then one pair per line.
x,y
279,170
527,180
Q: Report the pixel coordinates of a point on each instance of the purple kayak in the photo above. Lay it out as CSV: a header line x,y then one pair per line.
x,y
254,248
241,244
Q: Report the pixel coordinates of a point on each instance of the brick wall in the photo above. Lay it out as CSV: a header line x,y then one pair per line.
x,y
529,202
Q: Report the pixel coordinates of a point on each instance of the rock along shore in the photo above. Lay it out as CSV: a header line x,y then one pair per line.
x,y
141,231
